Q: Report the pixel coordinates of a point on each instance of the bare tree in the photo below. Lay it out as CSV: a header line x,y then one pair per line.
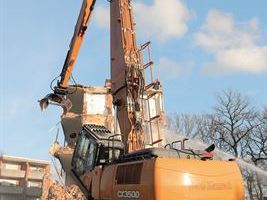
x,y
205,127
242,132
234,121
197,126
257,144
186,124
257,151
237,128
265,114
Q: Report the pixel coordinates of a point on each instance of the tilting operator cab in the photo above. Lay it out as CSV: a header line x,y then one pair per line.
x,y
95,146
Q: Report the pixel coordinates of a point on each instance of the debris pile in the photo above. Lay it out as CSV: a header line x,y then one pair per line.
x,y
60,192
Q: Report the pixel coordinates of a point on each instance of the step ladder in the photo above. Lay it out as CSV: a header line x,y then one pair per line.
x,y
153,94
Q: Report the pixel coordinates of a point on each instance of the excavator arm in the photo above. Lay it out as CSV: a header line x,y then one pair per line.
x,y
76,42
62,86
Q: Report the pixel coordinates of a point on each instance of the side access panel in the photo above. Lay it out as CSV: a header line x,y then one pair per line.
x,y
184,179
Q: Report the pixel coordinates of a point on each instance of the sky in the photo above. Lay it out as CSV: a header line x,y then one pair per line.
x,y
199,48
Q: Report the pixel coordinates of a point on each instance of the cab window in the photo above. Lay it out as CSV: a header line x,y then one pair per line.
x,y
84,156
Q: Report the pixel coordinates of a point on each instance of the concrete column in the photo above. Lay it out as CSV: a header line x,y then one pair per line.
x,y
25,185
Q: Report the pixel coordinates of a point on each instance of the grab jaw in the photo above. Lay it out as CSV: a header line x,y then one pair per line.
x,y
55,99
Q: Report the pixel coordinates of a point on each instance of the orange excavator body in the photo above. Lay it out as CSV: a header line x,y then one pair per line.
x,y
169,179
152,173
191,179
108,167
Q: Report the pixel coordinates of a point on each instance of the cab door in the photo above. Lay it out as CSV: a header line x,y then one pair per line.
x,y
84,155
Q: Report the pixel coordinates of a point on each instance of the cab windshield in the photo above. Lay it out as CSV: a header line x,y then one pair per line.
x,y
84,155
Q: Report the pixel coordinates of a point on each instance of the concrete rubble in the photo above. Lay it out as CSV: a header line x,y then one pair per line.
x,y
60,192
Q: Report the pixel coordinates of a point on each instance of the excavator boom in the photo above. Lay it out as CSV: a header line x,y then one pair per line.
x,y
75,45
126,75
58,98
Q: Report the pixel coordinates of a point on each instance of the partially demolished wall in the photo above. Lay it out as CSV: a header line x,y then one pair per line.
x,y
90,105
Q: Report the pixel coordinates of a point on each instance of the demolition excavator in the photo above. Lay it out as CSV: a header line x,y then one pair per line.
x,y
128,163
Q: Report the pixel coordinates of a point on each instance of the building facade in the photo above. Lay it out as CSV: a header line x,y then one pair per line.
x,y
22,178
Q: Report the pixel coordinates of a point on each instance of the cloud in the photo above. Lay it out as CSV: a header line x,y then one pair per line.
x,y
161,20
235,46
169,69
